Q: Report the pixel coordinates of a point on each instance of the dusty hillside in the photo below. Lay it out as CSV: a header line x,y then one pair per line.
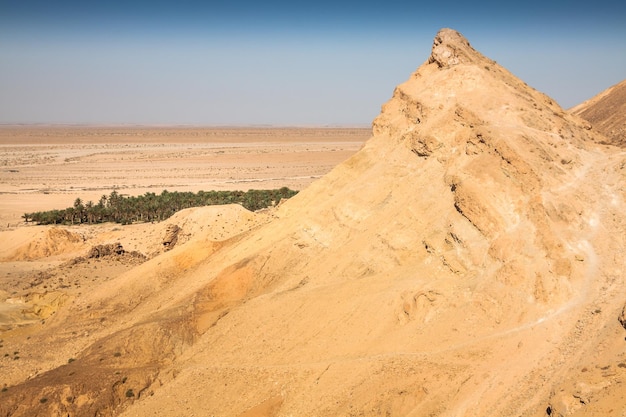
x,y
466,262
607,113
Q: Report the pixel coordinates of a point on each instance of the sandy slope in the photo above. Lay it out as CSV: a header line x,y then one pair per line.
x,y
466,262
607,113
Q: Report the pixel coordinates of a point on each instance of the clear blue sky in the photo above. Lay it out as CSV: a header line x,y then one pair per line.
x,y
279,63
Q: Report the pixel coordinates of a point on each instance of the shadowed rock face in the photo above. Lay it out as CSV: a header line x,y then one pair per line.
x,y
622,317
466,262
110,249
171,236
607,113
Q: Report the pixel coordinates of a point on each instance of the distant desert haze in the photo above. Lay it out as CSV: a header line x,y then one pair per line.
x,y
467,260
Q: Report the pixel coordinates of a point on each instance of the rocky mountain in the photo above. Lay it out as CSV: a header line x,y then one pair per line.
x,y
607,113
467,261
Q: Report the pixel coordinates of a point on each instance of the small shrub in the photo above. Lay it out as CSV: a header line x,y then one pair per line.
x,y
70,360
43,400
130,393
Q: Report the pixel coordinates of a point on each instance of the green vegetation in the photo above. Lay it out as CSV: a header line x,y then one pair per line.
x,y
152,207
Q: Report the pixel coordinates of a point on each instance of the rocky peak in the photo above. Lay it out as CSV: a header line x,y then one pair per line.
x,y
451,48
461,100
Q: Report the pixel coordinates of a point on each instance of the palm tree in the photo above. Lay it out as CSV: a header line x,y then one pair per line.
x,y
79,210
89,211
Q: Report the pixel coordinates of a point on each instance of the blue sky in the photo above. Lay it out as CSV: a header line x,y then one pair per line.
x,y
279,63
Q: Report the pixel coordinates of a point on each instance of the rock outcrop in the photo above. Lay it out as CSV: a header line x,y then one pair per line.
x,y
171,236
451,48
110,249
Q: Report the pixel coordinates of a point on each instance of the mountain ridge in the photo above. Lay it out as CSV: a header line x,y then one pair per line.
x,y
606,112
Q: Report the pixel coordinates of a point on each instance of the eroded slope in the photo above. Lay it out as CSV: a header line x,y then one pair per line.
x,y
467,261
607,113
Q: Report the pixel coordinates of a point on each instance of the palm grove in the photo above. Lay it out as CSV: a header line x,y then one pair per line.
x,y
154,207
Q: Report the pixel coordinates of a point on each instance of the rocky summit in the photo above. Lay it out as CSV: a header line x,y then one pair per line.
x,y
467,261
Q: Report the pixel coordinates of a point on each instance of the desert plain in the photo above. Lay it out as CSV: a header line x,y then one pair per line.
x,y
48,167
463,257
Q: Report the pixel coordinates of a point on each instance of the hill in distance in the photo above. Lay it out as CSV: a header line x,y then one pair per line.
x,y
467,261
607,113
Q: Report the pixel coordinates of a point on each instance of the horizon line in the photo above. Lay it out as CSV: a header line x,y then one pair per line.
x,y
191,125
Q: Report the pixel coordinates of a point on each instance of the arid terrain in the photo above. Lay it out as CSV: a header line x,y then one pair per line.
x,y
44,168
466,260
606,113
